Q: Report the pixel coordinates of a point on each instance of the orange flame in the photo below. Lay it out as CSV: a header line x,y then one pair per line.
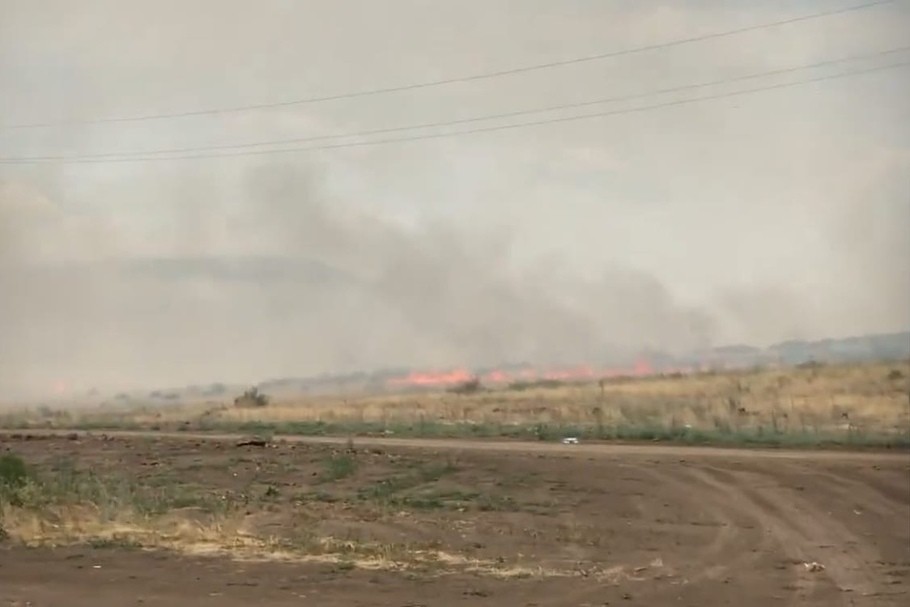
x,y
642,367
431,378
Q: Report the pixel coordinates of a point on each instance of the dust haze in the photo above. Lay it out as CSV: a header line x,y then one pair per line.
x,y
784,214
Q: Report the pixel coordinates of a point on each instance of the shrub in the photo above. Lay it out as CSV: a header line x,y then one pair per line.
x,y
13,477
13,473
251,398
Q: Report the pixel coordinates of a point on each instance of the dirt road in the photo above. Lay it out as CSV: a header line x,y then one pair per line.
x,y
665,526
582,450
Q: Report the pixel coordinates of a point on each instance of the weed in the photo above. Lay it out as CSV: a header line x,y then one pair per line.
x,y
454,500
338,467
64,484
13,479
420,502
496,503
115,542
13,472
385,489
318,496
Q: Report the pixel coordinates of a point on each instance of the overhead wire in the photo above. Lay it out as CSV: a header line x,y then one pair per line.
x,y
493,128
481,118
454,80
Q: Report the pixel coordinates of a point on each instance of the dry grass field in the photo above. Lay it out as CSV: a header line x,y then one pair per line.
x,y
812,405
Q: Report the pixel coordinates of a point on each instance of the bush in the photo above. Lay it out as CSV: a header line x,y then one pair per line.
x,y
13,473
13,477
251,398
895,374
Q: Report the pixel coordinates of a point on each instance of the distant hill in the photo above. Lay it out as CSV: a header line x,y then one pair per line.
x,y
890,346
870,347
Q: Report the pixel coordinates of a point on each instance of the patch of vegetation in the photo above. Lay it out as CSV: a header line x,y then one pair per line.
x,y
319,496
115,542
454,500
338,467
13,472
13,479
65,485
68,502
385,489
520,386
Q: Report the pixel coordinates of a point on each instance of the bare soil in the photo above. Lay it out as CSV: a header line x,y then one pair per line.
x,y
518,524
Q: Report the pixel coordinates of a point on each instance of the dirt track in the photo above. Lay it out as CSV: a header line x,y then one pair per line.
x,y
669,526
586,450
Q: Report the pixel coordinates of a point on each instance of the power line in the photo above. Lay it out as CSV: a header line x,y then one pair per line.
x,y
469,78
512,114
678,102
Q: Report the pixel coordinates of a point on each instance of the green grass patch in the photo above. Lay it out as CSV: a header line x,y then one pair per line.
x,y
13,472
319,496
64,484
454,500
338,467
386,489
118,543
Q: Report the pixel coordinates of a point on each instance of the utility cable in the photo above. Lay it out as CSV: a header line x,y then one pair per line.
x,y
512,114
562,119
446,81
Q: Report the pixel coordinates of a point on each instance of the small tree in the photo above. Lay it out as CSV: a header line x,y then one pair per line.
x,y
251,398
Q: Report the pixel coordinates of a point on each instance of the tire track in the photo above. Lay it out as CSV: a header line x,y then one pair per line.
x,y
729,549
806,534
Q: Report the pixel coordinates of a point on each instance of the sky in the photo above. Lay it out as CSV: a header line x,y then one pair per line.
x,y
779,214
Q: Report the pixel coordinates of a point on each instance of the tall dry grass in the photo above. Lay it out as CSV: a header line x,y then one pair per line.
x,y
873,397
857,399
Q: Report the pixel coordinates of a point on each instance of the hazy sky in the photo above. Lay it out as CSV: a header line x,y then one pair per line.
x,y
780,214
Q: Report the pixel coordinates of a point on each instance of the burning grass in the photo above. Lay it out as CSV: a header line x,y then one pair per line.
x,y
862,404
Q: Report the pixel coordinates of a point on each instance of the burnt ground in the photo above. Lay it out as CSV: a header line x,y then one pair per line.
x,y
503,524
